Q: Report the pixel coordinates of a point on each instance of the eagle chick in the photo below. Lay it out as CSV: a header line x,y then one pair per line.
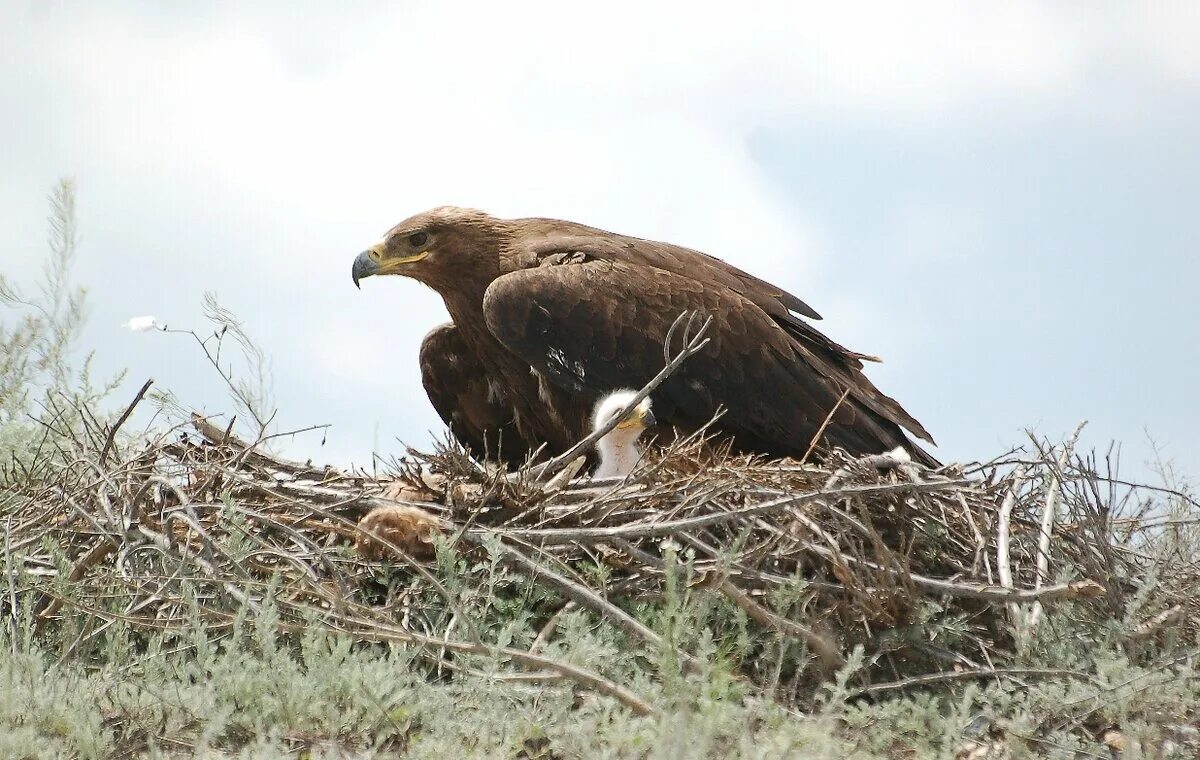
x,y
618,449
409,528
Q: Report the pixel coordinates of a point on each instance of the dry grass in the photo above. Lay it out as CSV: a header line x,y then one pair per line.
x,y
919,579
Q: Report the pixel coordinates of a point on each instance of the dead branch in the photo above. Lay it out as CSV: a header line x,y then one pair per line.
x,y
694,342
965,675
1053,493
830,656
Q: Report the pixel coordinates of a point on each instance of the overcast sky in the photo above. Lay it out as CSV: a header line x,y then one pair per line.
x,y
1001,200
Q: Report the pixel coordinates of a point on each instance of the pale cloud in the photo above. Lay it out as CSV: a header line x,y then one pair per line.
x,y
253,149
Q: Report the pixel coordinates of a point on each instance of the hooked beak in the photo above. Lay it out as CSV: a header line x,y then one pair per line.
x,y
372,261
365,265
639,419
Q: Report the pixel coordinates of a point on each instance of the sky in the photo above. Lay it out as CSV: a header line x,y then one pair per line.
x,y
998,199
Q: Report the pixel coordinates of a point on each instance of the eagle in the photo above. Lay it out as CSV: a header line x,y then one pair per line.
x,y
549,316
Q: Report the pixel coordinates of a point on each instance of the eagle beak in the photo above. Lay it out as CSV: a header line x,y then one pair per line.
x,y
365,265
648,419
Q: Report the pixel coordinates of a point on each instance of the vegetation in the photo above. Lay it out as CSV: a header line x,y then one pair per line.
x,y
185,592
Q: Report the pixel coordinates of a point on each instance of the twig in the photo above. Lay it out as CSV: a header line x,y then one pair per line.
x,y
582,676
586,597
812,445
1003,532
1104,690
694,344
1147,628
48,606
980,543
830,656
1047,528
378,631
549,536
1084,589
964,675
10,576
219,437
112,431
551,625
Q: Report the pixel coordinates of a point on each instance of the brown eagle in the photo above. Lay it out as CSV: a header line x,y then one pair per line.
x,y
549,316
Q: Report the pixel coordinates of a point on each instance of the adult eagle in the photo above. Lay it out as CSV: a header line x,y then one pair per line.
x,y
549,316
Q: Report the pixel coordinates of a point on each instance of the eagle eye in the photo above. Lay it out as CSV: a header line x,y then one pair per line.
x,y
418,239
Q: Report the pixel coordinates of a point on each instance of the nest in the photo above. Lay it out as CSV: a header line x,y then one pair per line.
x,y
935,576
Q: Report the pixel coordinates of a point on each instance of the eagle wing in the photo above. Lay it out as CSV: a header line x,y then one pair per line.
x,y
467,399
595,323
552,237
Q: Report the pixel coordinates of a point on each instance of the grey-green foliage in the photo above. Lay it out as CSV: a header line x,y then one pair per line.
x,y
250,692
254,688
43,377
247,690
79,688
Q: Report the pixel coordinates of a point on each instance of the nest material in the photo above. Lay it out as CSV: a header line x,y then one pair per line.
x,y
410,529
873,552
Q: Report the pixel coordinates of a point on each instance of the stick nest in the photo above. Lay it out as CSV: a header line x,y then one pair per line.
x,y
933,574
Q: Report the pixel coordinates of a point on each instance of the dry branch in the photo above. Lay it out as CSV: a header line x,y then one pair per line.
x,y
825,649
693,343
1049,513
871,544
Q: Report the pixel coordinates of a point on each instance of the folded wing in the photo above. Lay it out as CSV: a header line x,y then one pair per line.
x,y
599,322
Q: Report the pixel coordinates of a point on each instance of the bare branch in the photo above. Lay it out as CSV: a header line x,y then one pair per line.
x,y
694,343
1053,494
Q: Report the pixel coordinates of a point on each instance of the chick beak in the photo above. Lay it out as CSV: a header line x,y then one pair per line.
x,y
648,419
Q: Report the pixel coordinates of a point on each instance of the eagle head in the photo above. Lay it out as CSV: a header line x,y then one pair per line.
x,y
439,247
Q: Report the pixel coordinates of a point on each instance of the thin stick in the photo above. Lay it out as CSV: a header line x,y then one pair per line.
x,y
962,675
587,598
549,536
694,344
11,577
49,605
1169,616
587,678
1047,528
1003,521
812,445
112,431
378,631
550,627
830,656
1076,590
980,544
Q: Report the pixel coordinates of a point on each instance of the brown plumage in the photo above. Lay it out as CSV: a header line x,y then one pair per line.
x,y
549,316
409,528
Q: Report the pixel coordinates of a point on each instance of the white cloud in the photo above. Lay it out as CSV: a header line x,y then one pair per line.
x,y
252,149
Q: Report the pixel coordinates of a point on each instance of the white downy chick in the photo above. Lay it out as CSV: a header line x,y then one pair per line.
x,y
618,449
